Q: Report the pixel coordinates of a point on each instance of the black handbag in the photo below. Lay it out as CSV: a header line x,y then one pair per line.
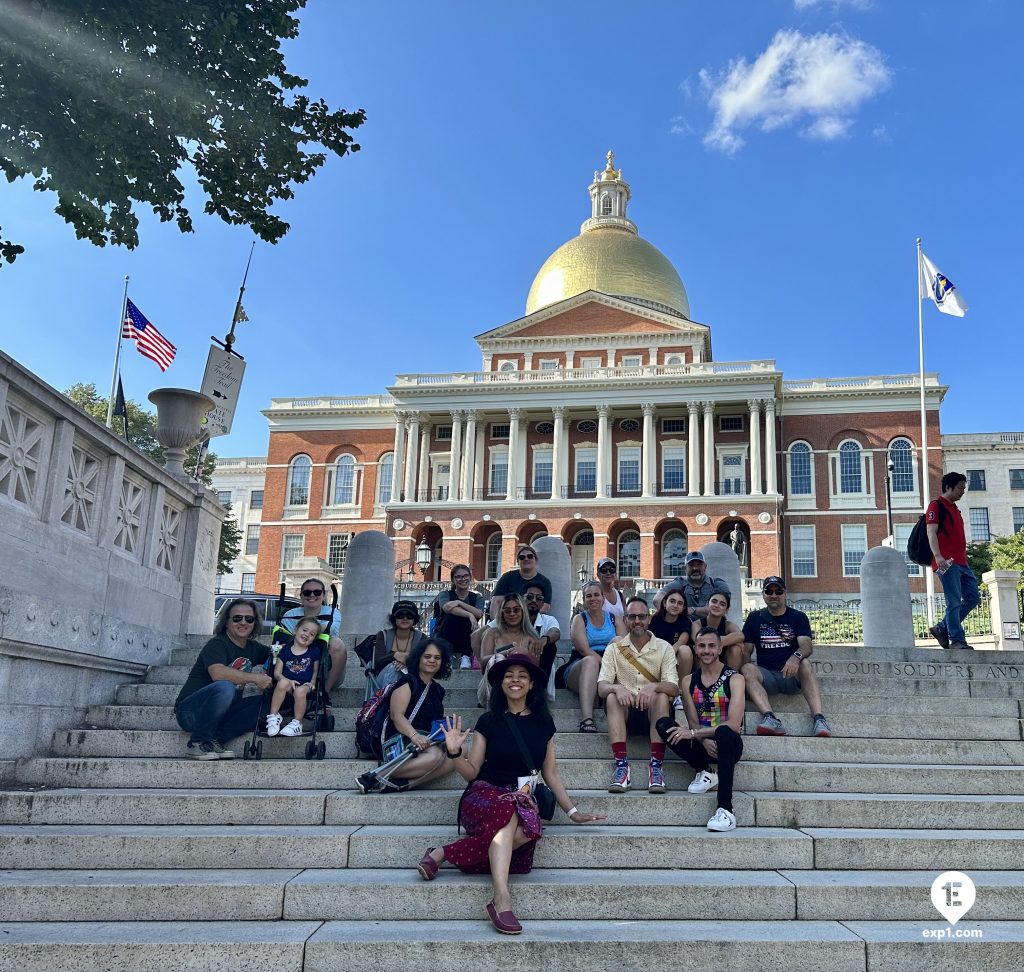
x,y
541,791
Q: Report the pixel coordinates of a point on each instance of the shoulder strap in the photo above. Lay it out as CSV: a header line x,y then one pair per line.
x,y
707,703
419,702
626,650
523,751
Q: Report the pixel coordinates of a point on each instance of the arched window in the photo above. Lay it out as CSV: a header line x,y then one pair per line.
x,y
298,481
492,564
901,455
673,553
344,481
851,470
606,205
385,473
629,554
675,359
507,366
801,481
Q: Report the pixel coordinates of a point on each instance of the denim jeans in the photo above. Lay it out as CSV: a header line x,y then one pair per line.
x,y
217,711
960,588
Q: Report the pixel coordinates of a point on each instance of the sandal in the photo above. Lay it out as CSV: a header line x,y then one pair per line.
x,y
427,867
588,725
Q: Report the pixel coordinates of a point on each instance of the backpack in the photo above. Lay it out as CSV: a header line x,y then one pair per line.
x,y
919,551
370,721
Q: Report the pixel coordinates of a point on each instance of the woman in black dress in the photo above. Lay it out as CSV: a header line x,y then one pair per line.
x,y
498,811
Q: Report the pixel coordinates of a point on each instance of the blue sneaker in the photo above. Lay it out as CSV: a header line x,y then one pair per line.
x,y
656,782
620,778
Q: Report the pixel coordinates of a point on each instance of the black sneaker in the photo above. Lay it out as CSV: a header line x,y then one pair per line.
x,y
939,635
221,750
203,750
369,783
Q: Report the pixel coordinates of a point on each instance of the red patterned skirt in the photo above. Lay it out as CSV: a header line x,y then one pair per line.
x,y
483,811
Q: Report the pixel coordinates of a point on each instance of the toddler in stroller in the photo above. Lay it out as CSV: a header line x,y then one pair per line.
x,y
295,672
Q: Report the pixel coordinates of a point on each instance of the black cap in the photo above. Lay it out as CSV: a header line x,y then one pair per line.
x,y
773,579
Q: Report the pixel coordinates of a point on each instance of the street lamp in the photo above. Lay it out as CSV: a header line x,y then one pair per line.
x,y
582,574
890,466
424,555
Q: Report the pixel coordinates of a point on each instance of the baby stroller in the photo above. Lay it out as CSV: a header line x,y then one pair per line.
x,y
315,713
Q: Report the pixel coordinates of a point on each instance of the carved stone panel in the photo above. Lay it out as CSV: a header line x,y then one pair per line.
x,y
84,477
131,515
24,441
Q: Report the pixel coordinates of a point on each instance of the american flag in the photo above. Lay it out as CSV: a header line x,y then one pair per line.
x,y
148,340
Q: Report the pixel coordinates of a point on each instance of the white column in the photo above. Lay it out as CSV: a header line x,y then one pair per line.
x,y
653,359
521,462
754,486
528,361
570,357
603,443
399,461
424,467
709,448
610,361
480,462
410,459
647,454
770,459
557,451
693,450
455,463
513,453
469,456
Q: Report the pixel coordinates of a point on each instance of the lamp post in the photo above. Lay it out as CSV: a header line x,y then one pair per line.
x,y
890,466
424,556
582,574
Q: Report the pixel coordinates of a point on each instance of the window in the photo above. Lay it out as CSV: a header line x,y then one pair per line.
x,y
298,481
732,475
224,497
385,473
1017,479
976,480
633,361
900,536
1018,519
606,205
901,455
498,477
673,468
730,423
545,428
248,583
443,433
629,554
492,561
801,480
252,540
542,471
337,550
850,473
591,363
500,431
855,546
979,524
629,472
803,551
344,481
673,426
673,553
586,470
675,360
507,366
256,499
549,364
587,427
294,548
629,425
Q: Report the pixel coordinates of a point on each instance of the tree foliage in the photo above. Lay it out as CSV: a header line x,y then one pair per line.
x,y
979,557
1008,554
230,543
106,102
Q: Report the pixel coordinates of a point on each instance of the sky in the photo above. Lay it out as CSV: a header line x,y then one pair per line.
x,y
783,154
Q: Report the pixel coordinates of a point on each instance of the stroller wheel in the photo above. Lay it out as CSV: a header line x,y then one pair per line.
x,y
245,751
321,749
330,723
258,751
310,749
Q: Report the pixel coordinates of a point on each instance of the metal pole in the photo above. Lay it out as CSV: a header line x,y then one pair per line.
x,y
117,357
929,578
888,500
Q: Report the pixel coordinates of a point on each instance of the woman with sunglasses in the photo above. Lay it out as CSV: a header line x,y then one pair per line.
x,y
460,611
729,634
608,575
512,634
497,810
394,645
591,632
210,704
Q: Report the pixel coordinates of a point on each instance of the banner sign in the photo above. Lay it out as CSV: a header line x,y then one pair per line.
x,y
222,382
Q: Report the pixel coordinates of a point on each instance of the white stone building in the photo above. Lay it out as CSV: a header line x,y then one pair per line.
x,y
239,482
993,463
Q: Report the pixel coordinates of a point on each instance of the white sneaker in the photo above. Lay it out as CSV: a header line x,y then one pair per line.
x,y
466,662
273,723
703,782
678,703
294,728
722,821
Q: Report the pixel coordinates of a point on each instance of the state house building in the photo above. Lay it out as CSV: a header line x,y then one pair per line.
x,y
602,417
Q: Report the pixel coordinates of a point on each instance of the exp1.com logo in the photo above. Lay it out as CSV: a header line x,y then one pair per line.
x,y
953,895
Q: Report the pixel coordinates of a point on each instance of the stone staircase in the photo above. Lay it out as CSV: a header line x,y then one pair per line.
x,y
120,853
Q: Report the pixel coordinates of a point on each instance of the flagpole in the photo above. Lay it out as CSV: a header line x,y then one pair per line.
x,y
117,356
239,312
929,579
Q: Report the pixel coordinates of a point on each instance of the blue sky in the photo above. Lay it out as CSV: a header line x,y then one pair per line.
x,y
784,155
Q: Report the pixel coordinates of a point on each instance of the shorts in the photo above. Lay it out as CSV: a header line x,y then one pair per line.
x,y
775,683
637,723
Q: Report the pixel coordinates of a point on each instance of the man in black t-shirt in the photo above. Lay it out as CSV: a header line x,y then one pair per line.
x,y
517,581
782,638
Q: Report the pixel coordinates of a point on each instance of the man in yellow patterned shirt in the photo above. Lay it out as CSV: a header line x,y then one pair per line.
x,y
638,682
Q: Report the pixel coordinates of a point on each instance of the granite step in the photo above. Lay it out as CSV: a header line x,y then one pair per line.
x,y
839,848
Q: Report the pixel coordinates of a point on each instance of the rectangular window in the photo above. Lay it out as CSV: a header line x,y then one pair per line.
x,y
855,546
673,426
1018,519
498,479
542,471
800,470
632,361
252,540
803,550
673,467
976,480
629,470
224,497
337,550
730,423
499,430
294,548
256,499
900,536
443,433
979,524
248,583
586,470
1017,479
591,363
549,364
493,566
732,475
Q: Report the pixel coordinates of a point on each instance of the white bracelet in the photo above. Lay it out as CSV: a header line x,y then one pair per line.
x,y
571,811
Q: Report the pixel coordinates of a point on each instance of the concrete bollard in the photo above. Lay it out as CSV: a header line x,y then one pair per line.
x,y
368,590
554,563
723,563
885,600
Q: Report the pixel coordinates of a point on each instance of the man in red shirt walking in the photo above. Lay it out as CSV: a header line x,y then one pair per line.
x,y
948,541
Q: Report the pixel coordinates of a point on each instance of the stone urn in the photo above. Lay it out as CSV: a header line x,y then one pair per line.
x,y
179,417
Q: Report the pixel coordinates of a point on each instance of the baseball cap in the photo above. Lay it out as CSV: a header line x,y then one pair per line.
x,y
605,560
695,555
773,580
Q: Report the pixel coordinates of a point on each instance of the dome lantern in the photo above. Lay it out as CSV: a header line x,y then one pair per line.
x,y
609,194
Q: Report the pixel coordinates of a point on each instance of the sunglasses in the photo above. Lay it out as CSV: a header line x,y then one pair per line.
x,y
534,597
606,570
459,577
636,617
405,616
527,556
243,618
511,607
319,593
774,590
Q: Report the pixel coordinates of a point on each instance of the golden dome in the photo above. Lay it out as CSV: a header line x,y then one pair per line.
x,y
610,260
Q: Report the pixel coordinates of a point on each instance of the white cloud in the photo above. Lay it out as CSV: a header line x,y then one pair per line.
x,y
680,126
817,81
807,4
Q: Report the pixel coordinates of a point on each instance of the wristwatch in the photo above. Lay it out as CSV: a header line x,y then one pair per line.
x,y
798,654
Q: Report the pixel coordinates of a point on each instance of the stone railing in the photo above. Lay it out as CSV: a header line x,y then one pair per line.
x,y
353,401
109,561
867,383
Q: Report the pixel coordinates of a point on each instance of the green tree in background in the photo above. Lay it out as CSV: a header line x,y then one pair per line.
x,y
142,435
1008,554
979,557
111,105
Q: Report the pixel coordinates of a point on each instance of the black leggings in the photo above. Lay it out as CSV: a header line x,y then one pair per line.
x,y
730,749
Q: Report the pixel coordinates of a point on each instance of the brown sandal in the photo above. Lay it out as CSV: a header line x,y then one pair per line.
x,y
427,867
588,725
